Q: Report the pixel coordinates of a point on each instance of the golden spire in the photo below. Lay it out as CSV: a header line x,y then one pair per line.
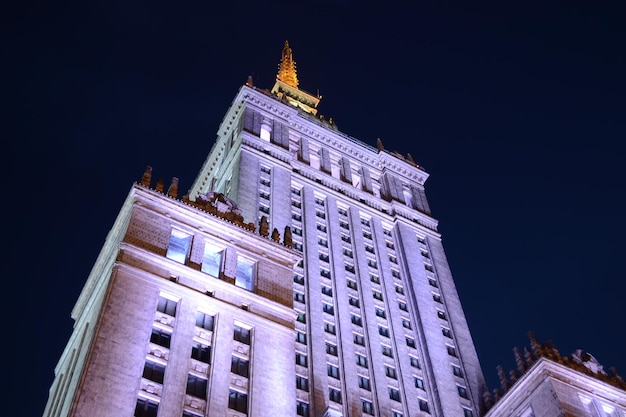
x,y
287,67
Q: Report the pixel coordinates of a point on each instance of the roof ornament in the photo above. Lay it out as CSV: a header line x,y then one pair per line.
x,y
287,67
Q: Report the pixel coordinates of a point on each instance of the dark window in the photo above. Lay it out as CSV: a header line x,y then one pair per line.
x,y
364,383
201,352
383,331
298,279
451,351
380,312
410,342
301,338
242,335
301,359
146,408
467,413
367,407
441,315
406,324
359,339
415,363
238,401
332,371
299,297
419,383
379,296
196,386
327,291
391,372
361,360
329,328
354,302
357,320
239,366
446,332
327,308
154,371
394,394
302,383
457,371
161,338
423,406
462,392
334,395
302,409
386,351
331,349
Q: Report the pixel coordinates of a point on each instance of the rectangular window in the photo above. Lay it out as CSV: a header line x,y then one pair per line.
x,y
356,320
154,371
354,302
457,371
383,331
410,342
415,363
298,279
441,315
301,337
351,283
468,413
205,321
462,391
419,383
146,408
201,352
196,386
391,372
451,350
361,360
367,407
246,271
166,306
238,401
432,282
212,260
161,338
394,394
332,371
359,339
327,308
242,335
329,328
386,351
179,246
446,332
379,311
402,306
379,296
299,297
406,324
334,395
301,359
302,409
302,383
331,349
239,366
424,405
364,383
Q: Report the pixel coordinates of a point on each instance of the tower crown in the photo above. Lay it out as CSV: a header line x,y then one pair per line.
x,y
286,86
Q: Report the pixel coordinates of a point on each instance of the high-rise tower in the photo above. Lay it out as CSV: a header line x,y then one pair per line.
x,y
302,275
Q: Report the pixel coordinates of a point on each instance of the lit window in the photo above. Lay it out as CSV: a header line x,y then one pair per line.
x,y
196,386
201,352
246,269
179,246
212,260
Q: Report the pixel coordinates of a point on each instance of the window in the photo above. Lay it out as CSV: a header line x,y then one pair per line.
x,y
301,337
402,306
379,311
201,352
441,315
322,242
301,359
432,282
334,395
379,296
394,394
324,257
238,401
324,272
364,383
424,405
391,372
166,306
396,414
301,317
154,371
406,324
415,363
190,414
462,391
212,260
331,349
410,342
146,408
468,413
367,407
196,386
375,278
179,246
361,360
332,371
356,320
329,328
386,351
399,289
206,321
437,298
161,338
457,371
359,339
302,383
246,269
351,283
451,350
446,332
242,335
327,308
298,279
350,268
239,366
419,383
354,302
383,331
302,409
298,296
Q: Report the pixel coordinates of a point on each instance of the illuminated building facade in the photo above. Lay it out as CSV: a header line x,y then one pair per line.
x,y
548,384
302,275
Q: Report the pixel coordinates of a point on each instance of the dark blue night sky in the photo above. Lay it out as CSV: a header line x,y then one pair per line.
x,y
516,109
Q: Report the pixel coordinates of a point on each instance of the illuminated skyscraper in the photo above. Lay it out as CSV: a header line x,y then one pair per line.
x,y
302,275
